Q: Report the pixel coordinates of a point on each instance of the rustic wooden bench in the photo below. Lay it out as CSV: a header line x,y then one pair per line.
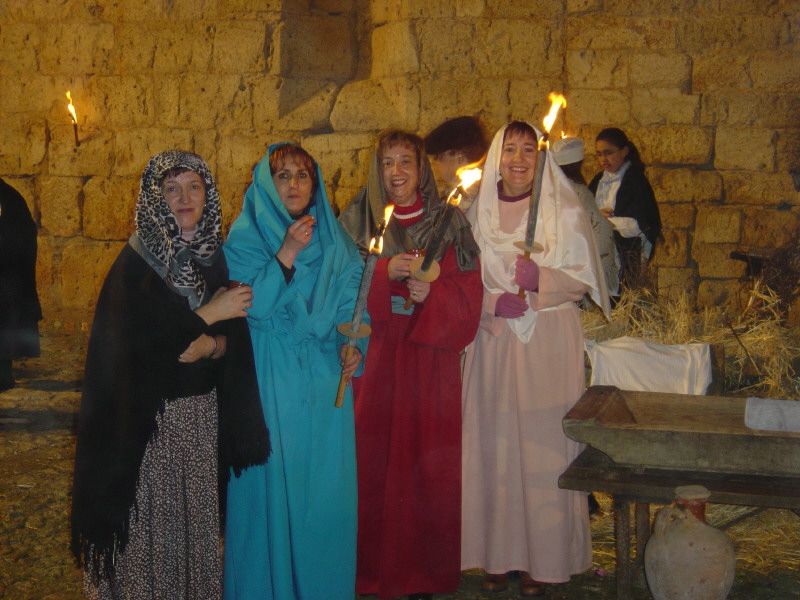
x,y
594,471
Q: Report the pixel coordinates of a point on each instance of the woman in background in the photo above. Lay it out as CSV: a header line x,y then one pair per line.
x,y
170,402
291,524
523,372
408,407
625,197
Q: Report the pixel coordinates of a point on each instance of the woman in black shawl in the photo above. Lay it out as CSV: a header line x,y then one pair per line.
x,y
170,400
19,304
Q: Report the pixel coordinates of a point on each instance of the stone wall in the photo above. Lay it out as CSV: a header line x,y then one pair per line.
x,y
708,89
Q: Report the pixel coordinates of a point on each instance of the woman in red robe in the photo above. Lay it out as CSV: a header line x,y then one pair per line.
x,y
408,401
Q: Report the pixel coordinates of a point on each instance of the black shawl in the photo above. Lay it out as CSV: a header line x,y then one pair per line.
x,y
20,311
141,326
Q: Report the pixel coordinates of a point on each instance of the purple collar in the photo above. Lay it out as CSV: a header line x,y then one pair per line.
x,y
505,198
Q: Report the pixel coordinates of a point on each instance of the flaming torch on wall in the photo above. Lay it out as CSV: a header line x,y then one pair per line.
x,y
527,246
74,116
355,329
425,267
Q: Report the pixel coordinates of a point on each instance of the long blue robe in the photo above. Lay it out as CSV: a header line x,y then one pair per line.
x,y
291,523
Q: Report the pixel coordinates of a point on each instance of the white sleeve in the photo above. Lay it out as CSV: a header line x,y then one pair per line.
x,y
627,227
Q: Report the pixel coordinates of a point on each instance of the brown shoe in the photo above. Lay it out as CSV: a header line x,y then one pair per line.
x,y
495,582
529,587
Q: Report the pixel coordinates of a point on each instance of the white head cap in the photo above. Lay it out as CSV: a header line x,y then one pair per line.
x,y
567,151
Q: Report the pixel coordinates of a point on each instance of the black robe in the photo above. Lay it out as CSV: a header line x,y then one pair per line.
x,y
140,328
20,311
635,198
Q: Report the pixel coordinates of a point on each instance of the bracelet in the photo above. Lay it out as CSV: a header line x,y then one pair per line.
x,y
214,351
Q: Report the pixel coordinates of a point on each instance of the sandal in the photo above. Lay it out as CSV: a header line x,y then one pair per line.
x,y
495,582
529,587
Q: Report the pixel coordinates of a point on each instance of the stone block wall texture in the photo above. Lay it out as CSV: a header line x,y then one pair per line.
x,y
709,90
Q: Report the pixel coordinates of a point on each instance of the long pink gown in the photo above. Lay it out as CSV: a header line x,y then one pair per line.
x,y
515,394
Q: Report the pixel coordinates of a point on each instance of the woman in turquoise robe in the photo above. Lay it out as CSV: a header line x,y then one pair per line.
x,y
291,523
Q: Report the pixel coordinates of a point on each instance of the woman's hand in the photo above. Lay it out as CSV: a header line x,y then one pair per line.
x,y
400,266
202,347
349,363
227,304
418,290
510,306
297,237
526,274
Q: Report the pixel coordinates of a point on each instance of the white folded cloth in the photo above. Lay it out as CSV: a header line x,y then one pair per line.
x,y
639,365
772,415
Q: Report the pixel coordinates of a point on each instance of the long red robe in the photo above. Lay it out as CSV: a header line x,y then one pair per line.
x,y
408,435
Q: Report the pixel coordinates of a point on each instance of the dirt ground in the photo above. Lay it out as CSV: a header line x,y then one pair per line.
x,y
37,431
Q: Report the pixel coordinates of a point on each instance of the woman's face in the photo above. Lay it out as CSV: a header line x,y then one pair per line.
x,y
518,163
294,184
185,194
610,157
400,174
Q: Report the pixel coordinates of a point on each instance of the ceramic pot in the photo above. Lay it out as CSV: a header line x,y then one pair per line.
x,y
685,558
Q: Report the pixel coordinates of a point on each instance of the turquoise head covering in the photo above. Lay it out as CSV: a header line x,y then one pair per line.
x,y
258,233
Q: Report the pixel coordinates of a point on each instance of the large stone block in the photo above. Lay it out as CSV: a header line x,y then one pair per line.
x,y
731,31
305,44
510,47
714,261
205,143
183,47
599,107
674,145
36,94
664,107
18,45
134,147
749,107
528,101
718,292
673,282
239,46
76,48
82,270
447,98
597,69
471,8
121,101
134,48
788,149
766,189
249,8
384,11
446,46
673,249
778,71
769,228
661,70
720,69
94,156
108,207
22,146
745,148
394,50
46,272
167,102
520,9
190,10
60,205
365,105
685,185
659,7
343,158
716,225
239,153
677,216
223,101
610,32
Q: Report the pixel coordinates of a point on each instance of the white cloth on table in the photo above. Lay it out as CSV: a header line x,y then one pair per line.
x,y
639,365
772,415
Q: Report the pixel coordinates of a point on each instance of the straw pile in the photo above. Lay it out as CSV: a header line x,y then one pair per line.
x,y
759,348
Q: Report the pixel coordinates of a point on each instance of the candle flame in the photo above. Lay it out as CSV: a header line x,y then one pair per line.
x,y
71,108
557,101
376,245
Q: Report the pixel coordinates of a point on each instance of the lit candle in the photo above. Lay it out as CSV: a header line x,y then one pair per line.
x,y
556,102
74,116
355,329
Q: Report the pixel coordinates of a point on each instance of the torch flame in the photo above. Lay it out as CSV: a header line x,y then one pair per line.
x,y
387,213
468,176
376,245
71,108
557,101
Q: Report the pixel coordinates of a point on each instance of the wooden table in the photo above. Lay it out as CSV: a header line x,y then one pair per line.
x,y
594,471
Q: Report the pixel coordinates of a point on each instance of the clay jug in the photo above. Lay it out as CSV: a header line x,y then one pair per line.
x,y
686,559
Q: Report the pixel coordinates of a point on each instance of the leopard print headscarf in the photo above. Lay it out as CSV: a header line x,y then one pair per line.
x,y
159,234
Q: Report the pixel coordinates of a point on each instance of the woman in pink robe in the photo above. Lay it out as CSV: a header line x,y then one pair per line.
x,y
523,372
